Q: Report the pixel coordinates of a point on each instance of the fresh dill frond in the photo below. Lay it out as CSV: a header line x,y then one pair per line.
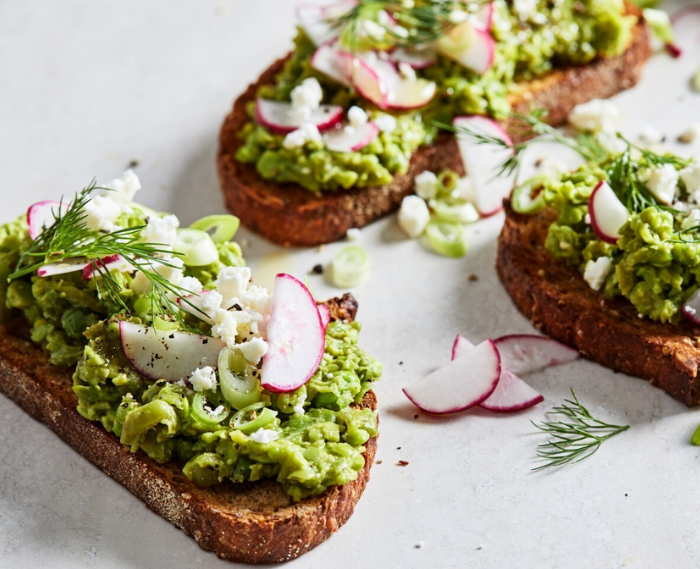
x,y
574,438
69,237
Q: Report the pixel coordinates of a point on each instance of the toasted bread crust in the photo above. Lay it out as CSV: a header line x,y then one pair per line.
x,y
249,523
288,214
557,300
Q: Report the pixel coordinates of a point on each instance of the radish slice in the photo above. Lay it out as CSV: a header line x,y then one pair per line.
x,y
406,94
416,58
111,263
483,163
278,116
41,216
295,336
317,21
325,60
461,346
525,353
485,16
364,77
325,315
691,308
168,355
461,384
67,266
349,138
511,394
470,46
608,214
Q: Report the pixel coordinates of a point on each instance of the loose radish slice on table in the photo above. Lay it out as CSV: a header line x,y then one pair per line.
x,y
364,77
278,116
63,267
326,60
525,353
349,138
417,58
483,162
461,346
325,315
511,394
608,213
470,46
461,384
168,355
109,263
295,336
41,216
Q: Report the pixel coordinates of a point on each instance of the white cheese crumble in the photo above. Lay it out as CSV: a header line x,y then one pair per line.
x,y
595,116
651,136
691,178
662,181
426,184
172,272
597,271
264,436
307,132
122,189
385,123
211,303
353,234
101,214
225,327
357,116
457,16
299,407
373,30
307,94
414,216
692,219
232,282
191,284
253,350
203,378
161,230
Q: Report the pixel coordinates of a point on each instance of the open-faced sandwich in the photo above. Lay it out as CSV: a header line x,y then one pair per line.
x,y
607,258
331,136
244,417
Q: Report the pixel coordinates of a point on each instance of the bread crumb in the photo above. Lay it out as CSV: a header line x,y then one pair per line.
x,y
403,463
473,278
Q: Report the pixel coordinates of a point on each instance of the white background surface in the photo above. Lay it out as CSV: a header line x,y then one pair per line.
x,y
86,87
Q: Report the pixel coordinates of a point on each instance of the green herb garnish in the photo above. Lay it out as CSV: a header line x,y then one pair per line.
x,y
575,438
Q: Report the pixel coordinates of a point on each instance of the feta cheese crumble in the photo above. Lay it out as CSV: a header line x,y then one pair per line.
x,y
264,436
662,181
161,230
203,379
426,184
307,132
385,123
357,116
597,115
308,94
691,178
225,327
597,271
354,234
232,282
414,216
253,350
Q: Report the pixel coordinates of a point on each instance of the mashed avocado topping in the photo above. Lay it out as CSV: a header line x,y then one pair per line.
x,y
531,39
307,439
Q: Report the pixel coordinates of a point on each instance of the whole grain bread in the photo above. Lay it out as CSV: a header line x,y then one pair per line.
x,y
288,214
554,296
250,523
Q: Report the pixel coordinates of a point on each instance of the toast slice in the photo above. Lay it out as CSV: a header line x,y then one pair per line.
x,y
556,299
288,214
250,523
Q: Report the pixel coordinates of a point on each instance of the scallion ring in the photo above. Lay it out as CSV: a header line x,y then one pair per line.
x,y
204,414
195,247
455,212
446,238
528,197
224,227
238,379
350,266
254,417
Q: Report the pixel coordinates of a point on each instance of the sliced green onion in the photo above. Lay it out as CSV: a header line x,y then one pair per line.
x,y
195,247
238,379
448,181
350,266
147,211
164,325
447,238
455,212
208,418
695,81
523,200
224,227
660,24
254,417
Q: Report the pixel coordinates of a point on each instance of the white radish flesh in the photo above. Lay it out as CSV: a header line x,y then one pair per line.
x,y
109,263
326,60
63,267
608,213
325,315
364,77
463,383
469,46
295,336
278,116
349,138
511,394
525,353
418,59
41,216
461,346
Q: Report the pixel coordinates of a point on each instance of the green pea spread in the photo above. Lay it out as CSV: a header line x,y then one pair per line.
x,y
317,436
563,33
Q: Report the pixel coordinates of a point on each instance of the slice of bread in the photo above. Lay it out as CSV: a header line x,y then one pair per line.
x,y
288,214
554,296
250,523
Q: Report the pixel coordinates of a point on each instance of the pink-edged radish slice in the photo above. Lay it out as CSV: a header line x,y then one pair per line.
x,y
63,267
41,216
608,213
470,46
403,93
416,58
317,21
279,118
325,315
350,138
364,77
463,383
325,59
483,162
194,304
525,353
511,394
169,355
691,308
110,263
295,335
484,16
461,346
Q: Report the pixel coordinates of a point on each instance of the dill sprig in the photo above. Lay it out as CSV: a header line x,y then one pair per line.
x,y
69,237
574,438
